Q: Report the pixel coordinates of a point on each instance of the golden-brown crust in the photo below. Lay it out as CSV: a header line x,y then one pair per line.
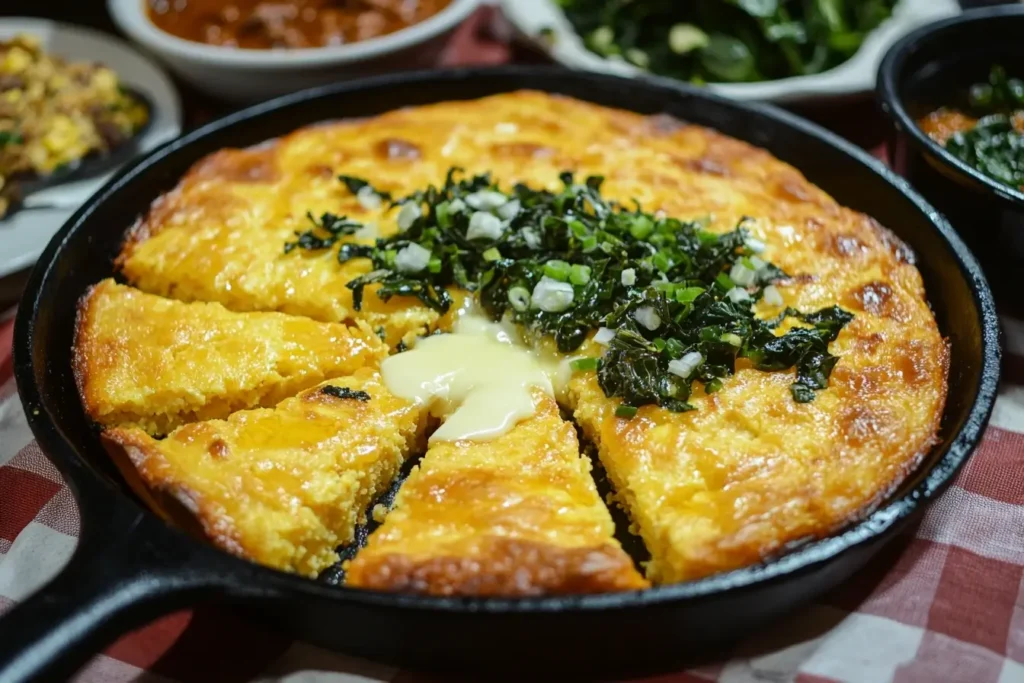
x,y
79,362
503,567
284,486
156,363
519,515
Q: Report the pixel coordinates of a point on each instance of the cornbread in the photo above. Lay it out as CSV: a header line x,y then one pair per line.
x,y
748,473
518,515
154,363
283,486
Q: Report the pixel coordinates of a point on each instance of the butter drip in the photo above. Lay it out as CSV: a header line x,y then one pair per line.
x,y
479,380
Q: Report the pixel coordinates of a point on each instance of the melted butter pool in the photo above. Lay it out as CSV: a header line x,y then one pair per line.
x,y
479,379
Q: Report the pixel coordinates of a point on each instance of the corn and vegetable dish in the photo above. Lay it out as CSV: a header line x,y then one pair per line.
x,y
54,113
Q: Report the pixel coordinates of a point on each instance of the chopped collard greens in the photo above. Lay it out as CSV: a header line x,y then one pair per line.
x,y
730,41
345,393
670,301
995,144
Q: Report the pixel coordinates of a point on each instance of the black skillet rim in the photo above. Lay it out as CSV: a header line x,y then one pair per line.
x,y
890,93
64,454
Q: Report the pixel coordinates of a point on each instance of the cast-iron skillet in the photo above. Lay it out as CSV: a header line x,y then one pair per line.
x,y
130,566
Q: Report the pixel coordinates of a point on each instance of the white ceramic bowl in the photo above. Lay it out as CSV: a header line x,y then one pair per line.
x,y
855,76
251,75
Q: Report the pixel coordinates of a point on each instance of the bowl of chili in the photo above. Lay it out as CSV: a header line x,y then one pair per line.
x,y
250,50
959,130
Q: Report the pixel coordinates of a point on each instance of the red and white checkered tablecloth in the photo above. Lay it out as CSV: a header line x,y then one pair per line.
x,y
943,603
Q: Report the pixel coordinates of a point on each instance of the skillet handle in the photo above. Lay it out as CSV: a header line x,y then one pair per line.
x,y
127,570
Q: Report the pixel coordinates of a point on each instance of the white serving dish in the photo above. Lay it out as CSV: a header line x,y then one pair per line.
x,y
25,232
855,76
253,75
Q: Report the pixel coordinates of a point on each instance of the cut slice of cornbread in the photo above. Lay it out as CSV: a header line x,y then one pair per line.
x,y
518,515
153,363
284,486
750,472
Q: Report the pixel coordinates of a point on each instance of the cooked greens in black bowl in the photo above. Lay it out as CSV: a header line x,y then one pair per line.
x,y
958,130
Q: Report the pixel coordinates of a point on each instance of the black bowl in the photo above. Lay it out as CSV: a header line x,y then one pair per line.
x,y
130,565
932,67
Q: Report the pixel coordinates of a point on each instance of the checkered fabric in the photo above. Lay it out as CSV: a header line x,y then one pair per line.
x,y
945,602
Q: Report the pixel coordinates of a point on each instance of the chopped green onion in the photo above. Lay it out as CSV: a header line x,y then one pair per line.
x,y
685,295
638,57
665,286
662,261
707,237
625,411
589,243
641,228
675,347
434,265
602,38
519,297
557,270
492,254
659,344
578,228
585,364
732,338
713,386
685,38
444,218
724,281
710,334
579,275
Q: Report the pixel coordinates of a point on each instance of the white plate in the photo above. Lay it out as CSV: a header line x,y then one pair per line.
x,y
24,233
857,75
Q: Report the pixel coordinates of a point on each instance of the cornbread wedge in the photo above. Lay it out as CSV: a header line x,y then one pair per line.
x,y
519,515
154,363
750,471
284,486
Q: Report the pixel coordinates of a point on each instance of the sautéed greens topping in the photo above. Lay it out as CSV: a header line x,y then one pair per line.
x,y
995,144
670,301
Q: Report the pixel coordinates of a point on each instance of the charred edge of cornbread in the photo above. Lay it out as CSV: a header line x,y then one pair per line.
x,y
79,364
171,499
503,567
154,480
165,504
